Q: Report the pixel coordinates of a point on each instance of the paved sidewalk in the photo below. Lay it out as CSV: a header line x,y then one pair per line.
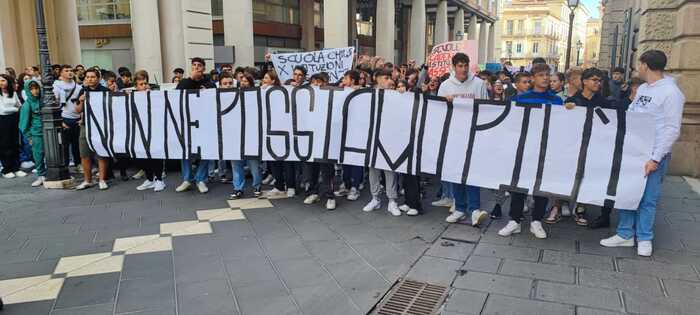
x,y
129,252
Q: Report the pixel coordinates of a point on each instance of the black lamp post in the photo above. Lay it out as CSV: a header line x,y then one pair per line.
x,y
572,5
50,111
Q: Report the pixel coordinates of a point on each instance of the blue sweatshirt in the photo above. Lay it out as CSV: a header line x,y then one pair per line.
x,y
532,97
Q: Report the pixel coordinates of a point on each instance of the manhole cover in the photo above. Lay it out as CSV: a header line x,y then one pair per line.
x,y
410,297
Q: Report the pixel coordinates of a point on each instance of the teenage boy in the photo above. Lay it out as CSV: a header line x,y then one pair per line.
x,y
153,168
539,94
660,97
196,81
617,84
352,174
463,84
90,84
523,83
298,76
384,81
67,91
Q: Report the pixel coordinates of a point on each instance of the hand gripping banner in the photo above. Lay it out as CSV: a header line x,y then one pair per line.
x,y
590,155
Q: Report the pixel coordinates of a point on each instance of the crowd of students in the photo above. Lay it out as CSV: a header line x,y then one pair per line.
x,y
21,138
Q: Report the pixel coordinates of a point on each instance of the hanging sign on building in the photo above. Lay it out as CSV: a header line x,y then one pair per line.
x,y
440,59
332,61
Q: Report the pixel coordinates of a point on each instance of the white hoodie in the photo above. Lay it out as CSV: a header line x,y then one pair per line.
x,y
664,101
473,87
67,96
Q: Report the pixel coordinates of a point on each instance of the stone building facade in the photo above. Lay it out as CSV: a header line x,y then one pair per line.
x,y
672,26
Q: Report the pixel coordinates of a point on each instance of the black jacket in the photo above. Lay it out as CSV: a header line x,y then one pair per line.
x,y
597,100
190,84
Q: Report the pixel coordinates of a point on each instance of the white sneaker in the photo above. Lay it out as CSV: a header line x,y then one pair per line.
x,y
9,175
330,204
185,186
393,208
565,210
443,202
268,179
34,171
147,184
274,193
452,208
291,192
140,174
158,185
103,185
409,211
617,241
537,230
20,173
456,216
341,192
644,248
39,181
354,194
478,216
511,228
374,204
313,198
202,187
83,185
26,164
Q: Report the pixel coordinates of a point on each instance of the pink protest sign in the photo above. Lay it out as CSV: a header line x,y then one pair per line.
x,y
440,59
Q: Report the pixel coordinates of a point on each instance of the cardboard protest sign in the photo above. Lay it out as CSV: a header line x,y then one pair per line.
x,y
440,59
590,155
333,61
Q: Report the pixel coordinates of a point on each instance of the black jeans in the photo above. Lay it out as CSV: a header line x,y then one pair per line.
x,y
313,171
411,187
9,143
517,202
285,174
153,168
71,136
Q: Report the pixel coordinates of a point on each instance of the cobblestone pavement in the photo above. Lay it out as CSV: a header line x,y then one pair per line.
x,y
126,252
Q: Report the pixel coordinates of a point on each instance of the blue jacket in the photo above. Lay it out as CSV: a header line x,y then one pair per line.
x,y
532,97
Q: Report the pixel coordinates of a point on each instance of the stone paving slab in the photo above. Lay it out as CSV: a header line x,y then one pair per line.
x,y
283,257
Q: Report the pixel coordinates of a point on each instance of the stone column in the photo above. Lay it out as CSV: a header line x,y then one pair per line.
x,y
416,50
68,35
384,38
441,26
335,23
172,38
491,49
238,30
308,33
145,34
459,25
472,27
483,42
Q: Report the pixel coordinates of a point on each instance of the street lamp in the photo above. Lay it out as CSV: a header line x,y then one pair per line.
x,y
57,174
572,5
459,35
579,45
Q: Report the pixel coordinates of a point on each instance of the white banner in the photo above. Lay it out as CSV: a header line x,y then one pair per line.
x,y
594,156
333,61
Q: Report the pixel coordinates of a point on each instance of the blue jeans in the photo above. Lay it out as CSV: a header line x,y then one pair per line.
x,y
462,193
239,173
25,151
201,173
641,221
446,190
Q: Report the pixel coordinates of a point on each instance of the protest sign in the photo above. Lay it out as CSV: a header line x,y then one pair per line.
x,y
333,61
440,59
590,155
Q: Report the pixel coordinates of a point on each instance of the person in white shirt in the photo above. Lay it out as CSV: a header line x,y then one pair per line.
x,y
9,128
67,92
660,97
463,84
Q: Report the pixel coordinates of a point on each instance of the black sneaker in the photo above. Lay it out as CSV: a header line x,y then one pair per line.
x,y
599,222
496,212
237,194
257,192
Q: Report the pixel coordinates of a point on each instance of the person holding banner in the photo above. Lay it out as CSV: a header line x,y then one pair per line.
x,y
660,97
153,168
384,81
196,81
352,174
246,82
91,83
540,94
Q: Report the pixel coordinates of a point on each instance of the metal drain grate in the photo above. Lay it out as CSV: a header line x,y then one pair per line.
x,y
412,298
